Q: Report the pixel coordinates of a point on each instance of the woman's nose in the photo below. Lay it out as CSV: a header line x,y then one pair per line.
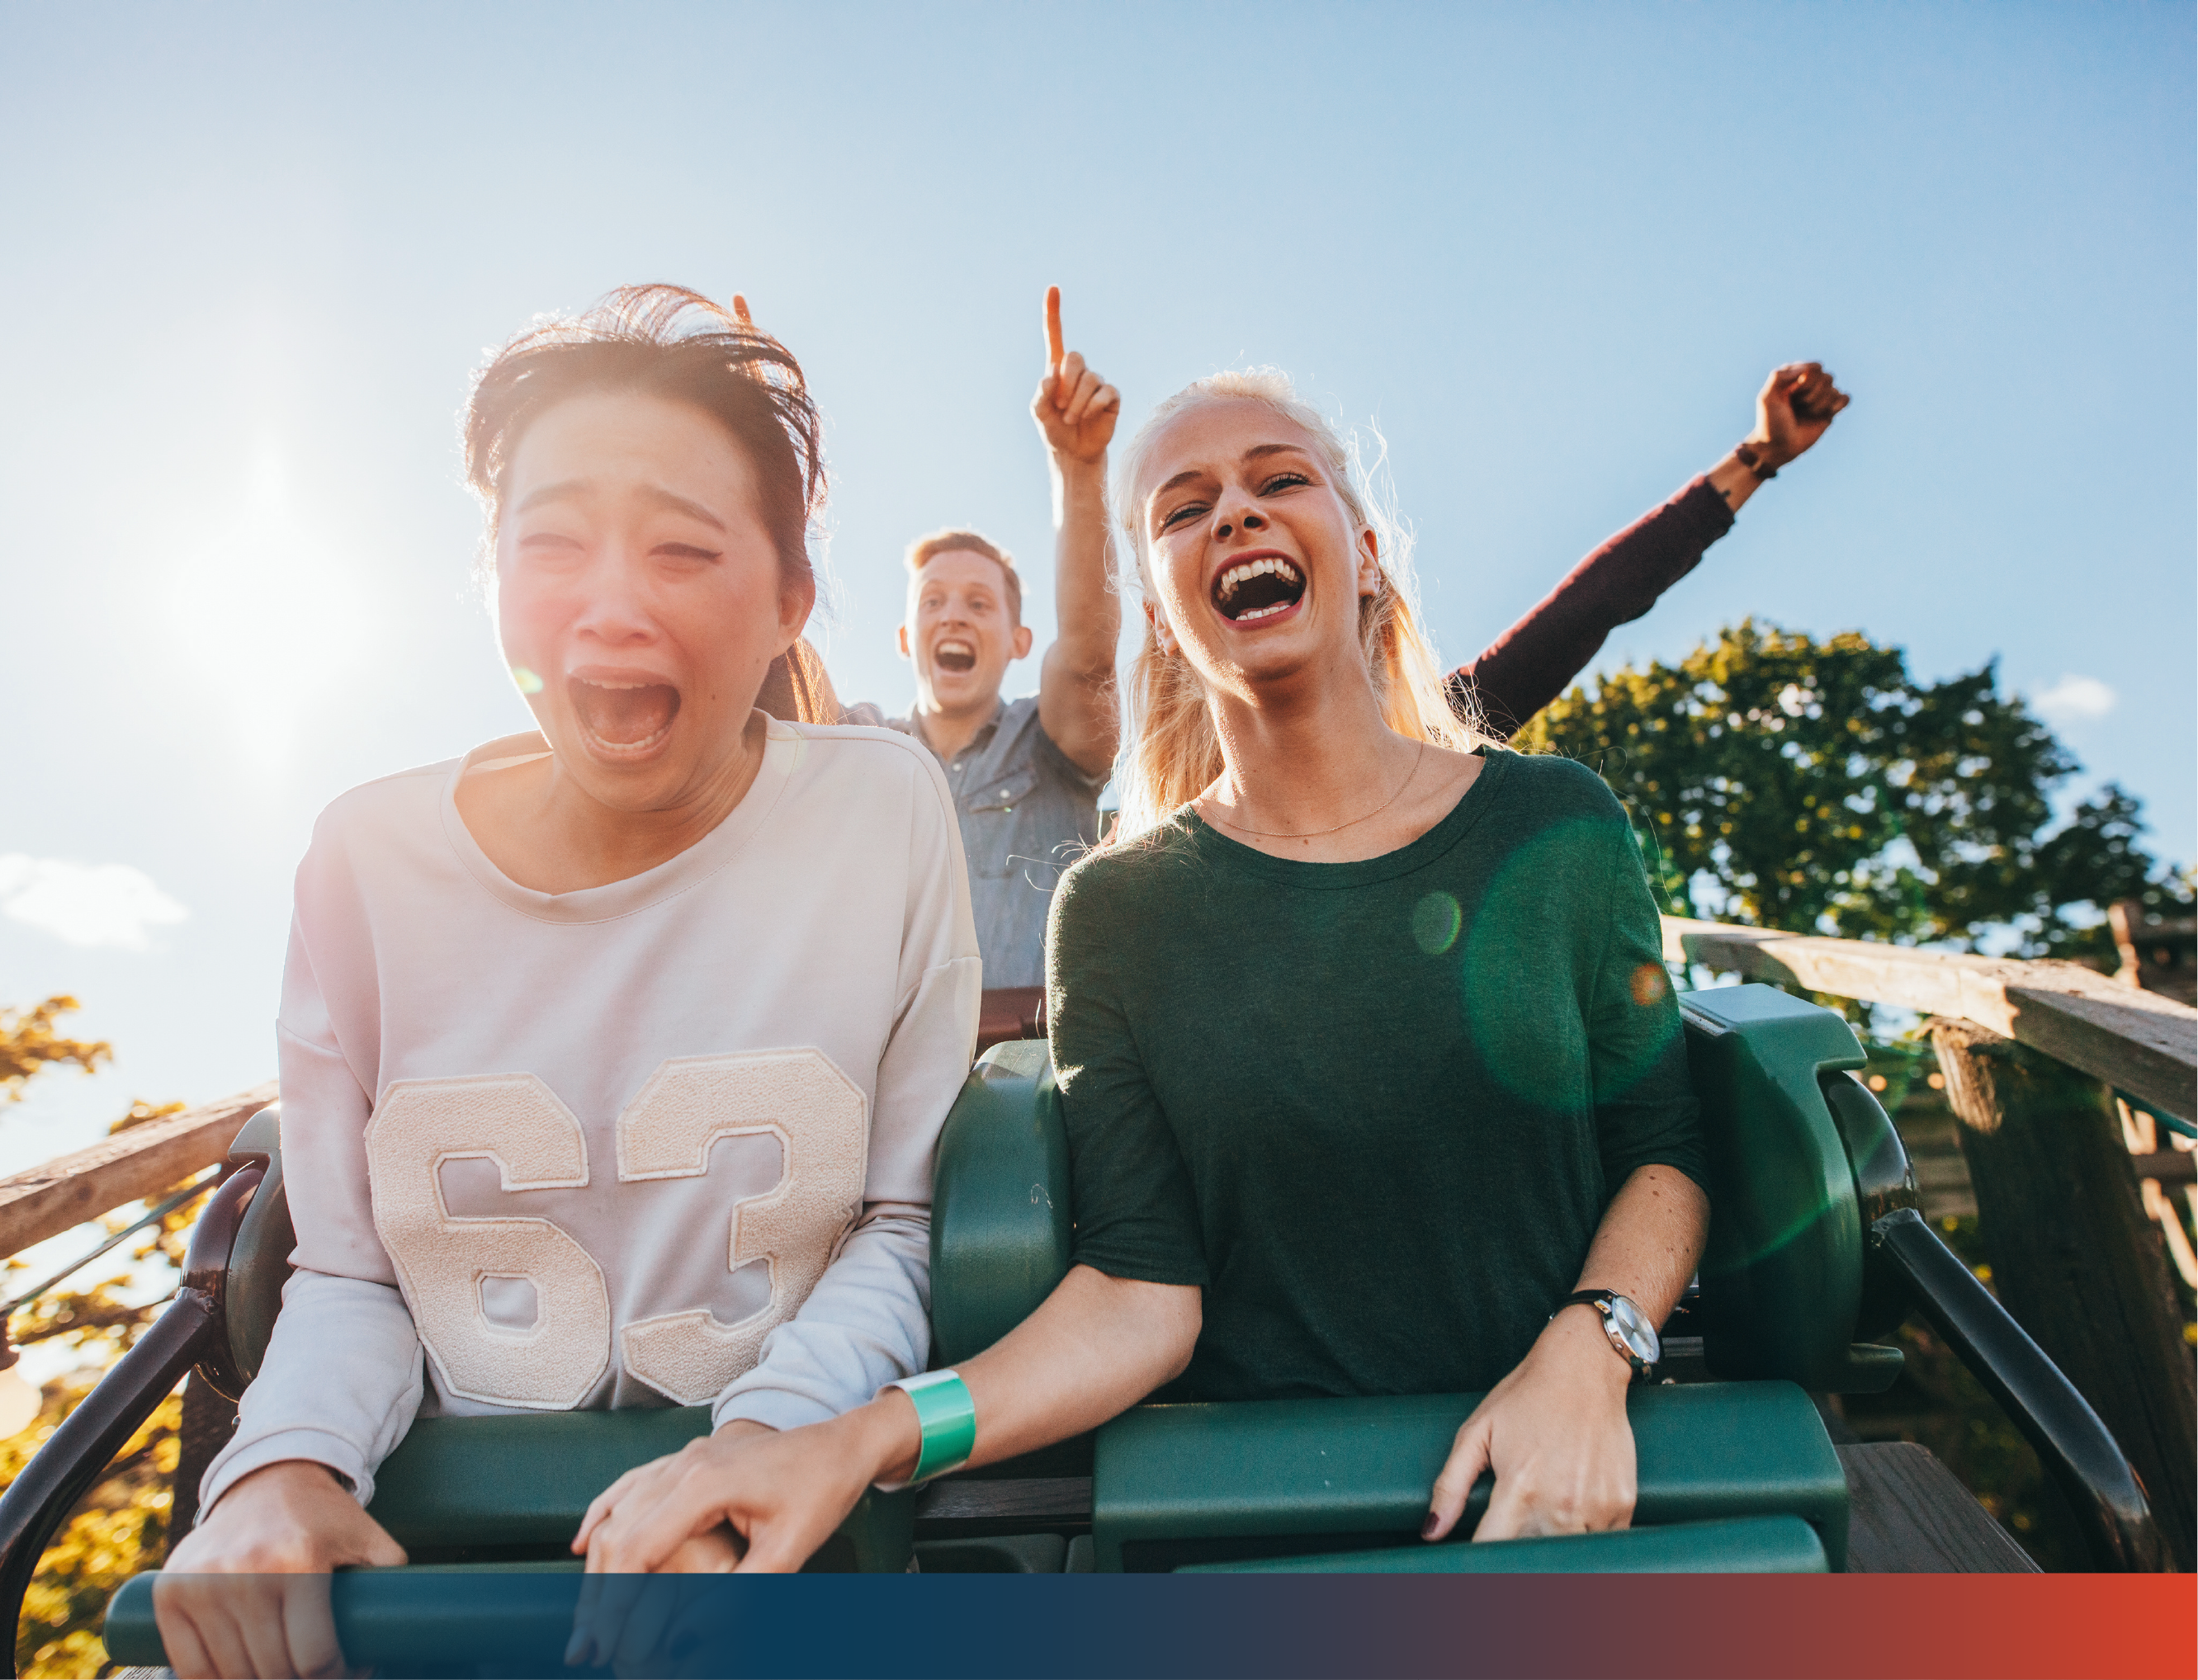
x,y
1246,517
615,611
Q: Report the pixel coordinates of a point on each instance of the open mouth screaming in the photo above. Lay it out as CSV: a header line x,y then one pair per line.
x,y
952,654
624,718
1254,590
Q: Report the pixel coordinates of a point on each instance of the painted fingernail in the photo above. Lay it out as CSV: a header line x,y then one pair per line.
x,y
1427,1528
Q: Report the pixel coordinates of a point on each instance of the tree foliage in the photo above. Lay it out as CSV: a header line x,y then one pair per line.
x,y
1818,786
29,1046
120,1527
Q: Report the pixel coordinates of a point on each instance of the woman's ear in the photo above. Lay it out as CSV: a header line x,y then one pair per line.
x,y
797,600
1159,625
1369,562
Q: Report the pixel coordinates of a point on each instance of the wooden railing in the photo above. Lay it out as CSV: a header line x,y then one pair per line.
x,y
2137,1041
2049,1068
69,1189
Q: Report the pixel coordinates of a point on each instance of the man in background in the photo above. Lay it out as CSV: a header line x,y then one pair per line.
x,y
1024,774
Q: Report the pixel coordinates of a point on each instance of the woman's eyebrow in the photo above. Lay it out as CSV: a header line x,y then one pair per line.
x,y
574,489
680,505
1260,450
564,490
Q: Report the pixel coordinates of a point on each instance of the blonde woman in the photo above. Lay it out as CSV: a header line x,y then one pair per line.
x,y
1373,1081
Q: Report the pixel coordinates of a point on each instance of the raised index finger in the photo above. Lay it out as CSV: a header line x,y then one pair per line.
x,y
1054,352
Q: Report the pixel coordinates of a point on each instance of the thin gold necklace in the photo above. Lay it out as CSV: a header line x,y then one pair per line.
x,y
1262,833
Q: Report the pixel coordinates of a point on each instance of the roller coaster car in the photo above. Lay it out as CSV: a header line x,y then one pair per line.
x,y
1816,1246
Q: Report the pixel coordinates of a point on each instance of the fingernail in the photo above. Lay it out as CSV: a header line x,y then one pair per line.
x,y
1427,1528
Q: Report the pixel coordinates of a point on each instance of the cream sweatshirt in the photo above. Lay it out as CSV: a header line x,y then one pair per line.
x,y
664,1142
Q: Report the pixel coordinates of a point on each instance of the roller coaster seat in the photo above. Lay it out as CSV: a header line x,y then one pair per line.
x,y
1781,1290
1735,1473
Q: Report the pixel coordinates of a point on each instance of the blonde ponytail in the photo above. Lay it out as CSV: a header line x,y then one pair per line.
x,y
1174,752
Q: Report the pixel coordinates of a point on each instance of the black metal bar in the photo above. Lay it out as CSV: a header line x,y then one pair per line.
x,y
2075,1447
77,1454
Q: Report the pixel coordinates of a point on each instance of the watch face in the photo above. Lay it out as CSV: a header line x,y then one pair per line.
x,y
1636,1332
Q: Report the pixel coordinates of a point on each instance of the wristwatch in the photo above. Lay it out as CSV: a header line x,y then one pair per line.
x,y
1626,1325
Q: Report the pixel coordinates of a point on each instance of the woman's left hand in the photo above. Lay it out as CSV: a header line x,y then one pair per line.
x,y
1555,1434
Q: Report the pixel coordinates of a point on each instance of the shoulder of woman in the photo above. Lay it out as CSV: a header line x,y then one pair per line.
x,y
878,761
373,807
1564,787
1112,880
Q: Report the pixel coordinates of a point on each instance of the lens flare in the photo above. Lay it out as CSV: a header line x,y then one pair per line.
x,y
1435,921
529,684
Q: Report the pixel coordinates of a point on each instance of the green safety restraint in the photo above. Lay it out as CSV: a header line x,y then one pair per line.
x,y
1734,1475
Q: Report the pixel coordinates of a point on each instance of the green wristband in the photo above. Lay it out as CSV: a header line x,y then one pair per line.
x,y
948,1417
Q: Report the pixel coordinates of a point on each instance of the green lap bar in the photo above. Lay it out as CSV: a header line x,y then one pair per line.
x,y
1742,1546
1184,1485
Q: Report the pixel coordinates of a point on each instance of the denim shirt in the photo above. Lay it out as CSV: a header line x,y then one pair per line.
x,y
1028,813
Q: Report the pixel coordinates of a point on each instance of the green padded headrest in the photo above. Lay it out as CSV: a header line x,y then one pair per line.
x,y
1000,1208
1782,1276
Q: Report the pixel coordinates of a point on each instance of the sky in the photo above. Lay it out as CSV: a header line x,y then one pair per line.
x,y
250,255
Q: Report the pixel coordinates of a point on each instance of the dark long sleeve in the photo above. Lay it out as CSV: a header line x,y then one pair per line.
x,y
1530,665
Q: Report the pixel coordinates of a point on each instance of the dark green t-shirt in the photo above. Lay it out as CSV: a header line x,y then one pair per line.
x,y
1375,1109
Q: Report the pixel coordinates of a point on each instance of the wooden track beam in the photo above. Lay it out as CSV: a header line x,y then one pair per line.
x,y
47,1200
2141,1042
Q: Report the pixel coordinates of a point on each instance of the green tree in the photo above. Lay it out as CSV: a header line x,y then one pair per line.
x,y
1818,786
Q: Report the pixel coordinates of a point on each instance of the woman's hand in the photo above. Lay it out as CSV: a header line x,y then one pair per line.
x,y
746,1498
1555,1434
247,1591
1793,410
1074,408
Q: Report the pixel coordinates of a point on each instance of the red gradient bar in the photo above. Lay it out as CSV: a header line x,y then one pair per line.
x,y
1800,1627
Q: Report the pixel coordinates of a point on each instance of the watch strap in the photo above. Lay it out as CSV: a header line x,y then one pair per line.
x,y
1601,1300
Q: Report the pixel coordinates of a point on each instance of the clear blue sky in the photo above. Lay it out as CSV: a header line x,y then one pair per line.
x,y
250,255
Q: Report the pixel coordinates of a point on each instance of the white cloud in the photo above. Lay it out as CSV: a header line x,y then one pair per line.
x,y
2075,700
84,904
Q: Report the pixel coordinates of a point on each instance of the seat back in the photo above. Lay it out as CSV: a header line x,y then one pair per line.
x,y
999,1209
1783,1289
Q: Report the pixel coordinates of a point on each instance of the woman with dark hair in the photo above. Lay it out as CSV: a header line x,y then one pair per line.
x,y
578,1027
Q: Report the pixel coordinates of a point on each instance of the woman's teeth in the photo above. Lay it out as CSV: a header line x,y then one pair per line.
x,y
624,718
1268,587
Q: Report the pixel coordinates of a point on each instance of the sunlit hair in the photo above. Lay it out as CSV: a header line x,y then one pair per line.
x,y
1173,752
667,341
923,549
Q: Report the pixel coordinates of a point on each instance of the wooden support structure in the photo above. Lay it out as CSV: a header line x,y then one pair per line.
x,y
2142,1042
47,1200
2074,1254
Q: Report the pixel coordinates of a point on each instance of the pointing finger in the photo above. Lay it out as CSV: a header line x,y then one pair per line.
x,y
1053,341
741,311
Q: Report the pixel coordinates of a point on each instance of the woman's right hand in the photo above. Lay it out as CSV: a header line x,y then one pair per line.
x,y
247,1591
1797,403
